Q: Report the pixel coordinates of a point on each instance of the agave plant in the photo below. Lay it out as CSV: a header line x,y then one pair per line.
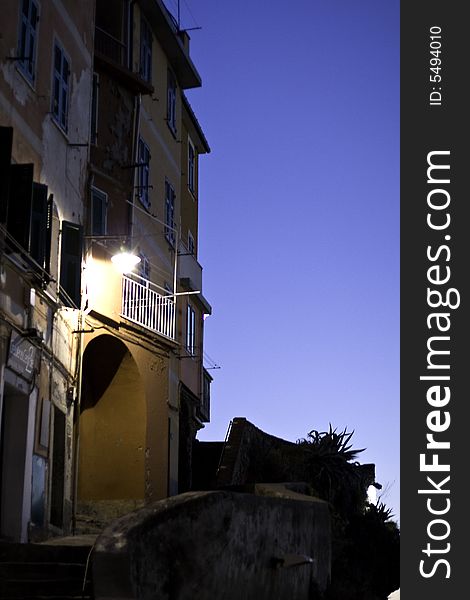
x,y
331,443
330,458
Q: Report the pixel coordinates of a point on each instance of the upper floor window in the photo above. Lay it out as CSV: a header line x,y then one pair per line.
x,y
191,330
27,39
94,109
143,173
191,244
170,213
191,167
99,210
60,87
144,267
171,102
145,50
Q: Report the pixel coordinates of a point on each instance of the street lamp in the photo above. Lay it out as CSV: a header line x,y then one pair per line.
x,y
125,261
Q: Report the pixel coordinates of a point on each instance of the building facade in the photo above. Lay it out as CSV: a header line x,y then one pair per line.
x,y
102,379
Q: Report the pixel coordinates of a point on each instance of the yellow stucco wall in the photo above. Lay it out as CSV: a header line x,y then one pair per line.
x,y
124,441
112,439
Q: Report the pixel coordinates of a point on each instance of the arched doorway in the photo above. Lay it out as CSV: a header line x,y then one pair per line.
x,y
112,439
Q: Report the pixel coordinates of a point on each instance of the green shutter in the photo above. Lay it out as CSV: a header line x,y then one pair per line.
x,y
37,247
71,264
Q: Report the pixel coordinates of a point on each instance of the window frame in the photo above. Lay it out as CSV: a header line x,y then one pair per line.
x,y
144,267
191,244
191,167
103,197
170,197
62,86
146,44
95,88
27,66
190,329
143,173
171,101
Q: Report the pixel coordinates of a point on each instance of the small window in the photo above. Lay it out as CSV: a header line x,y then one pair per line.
x,y
144,267
191,167
145,51
143,173
94,109
169,213
27,38
99,212
191,245
60,87
191,330
171,102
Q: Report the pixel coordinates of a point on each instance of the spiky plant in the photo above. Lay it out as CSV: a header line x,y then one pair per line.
x,y
330,458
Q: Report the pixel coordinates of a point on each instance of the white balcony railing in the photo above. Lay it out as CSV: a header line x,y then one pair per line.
x,y
148,308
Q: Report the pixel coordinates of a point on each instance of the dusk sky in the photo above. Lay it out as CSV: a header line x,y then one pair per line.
x,y
299,217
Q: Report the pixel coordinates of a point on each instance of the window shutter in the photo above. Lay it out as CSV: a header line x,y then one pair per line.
x,y
71,264
37,247
6,141
19,205
47,259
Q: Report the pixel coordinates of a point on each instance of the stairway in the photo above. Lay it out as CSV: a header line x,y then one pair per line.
x,y
45,571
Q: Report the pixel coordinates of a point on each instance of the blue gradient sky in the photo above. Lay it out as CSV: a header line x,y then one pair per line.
x,y
299,217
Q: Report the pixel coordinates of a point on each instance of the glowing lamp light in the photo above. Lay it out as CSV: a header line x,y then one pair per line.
x,y
125,261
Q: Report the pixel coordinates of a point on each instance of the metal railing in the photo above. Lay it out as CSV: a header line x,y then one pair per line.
x,y
148,308
110,47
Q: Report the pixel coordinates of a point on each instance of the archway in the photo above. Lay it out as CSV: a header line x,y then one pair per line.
x,y
112,426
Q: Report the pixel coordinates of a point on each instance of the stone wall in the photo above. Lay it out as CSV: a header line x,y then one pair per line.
x,y
217,545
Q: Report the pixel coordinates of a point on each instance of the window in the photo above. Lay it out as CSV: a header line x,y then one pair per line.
x,y
145,50
191,245
27,39
143,173
191,167
206,396
99,212
144,266
60,87
191,330
71,264
171,102
169,213
94,109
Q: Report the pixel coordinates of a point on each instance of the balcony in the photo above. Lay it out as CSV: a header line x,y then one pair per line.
x,y
189,270
111,54
190,276
146,307
110,47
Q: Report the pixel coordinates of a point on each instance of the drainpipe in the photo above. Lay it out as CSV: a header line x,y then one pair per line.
x,y
76,417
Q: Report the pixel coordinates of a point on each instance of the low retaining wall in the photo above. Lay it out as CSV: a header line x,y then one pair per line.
x,y
216,546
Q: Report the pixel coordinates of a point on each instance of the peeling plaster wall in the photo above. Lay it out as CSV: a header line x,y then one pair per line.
x,y
62,166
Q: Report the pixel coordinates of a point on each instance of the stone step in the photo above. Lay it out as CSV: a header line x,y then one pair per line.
x,y
44,588
32,571
45,571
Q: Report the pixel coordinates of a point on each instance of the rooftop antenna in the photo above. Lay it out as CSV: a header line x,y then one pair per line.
x,y
179,21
